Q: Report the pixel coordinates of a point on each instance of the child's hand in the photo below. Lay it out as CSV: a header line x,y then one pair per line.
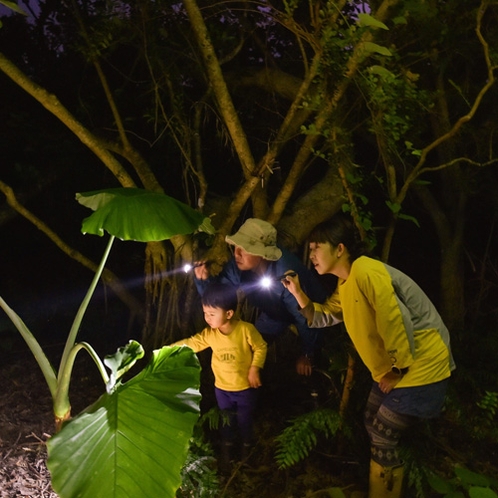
x,y
253,377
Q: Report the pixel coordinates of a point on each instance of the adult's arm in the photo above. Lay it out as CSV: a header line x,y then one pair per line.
x,y
229,274
320,315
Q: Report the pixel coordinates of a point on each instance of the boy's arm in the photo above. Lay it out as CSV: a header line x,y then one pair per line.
x,y
259,349
197,342
258,346
253,376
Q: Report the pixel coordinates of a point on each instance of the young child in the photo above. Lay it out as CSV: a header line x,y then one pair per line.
x,y
239,352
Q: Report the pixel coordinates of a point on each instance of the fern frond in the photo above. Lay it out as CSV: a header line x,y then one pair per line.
x,y
215,418
296,441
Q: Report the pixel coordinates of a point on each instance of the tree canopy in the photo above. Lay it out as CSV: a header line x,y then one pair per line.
x,y
287,111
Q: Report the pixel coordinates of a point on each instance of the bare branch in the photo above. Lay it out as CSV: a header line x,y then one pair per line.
x,y
107,276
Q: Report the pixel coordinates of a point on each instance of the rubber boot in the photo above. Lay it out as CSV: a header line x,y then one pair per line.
x,y
385,482
224,465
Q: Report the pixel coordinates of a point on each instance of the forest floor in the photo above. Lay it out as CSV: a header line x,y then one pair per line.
x,y
26,422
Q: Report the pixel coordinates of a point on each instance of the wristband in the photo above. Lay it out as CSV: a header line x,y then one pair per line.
x,y
399,371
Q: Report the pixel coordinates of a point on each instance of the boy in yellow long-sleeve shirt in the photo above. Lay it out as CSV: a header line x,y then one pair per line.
x,y
239,352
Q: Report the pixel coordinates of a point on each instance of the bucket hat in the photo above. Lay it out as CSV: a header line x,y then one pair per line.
x,y
257,237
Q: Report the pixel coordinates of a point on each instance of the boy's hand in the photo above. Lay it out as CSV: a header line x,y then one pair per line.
x,y
253,377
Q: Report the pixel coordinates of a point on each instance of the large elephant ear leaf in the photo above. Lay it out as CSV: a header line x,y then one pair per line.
x,y
141,215
134,441
121,361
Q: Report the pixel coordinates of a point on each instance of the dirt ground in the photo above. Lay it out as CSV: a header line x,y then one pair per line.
x,y
26,422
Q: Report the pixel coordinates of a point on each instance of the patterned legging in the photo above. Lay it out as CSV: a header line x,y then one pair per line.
x,y
384,428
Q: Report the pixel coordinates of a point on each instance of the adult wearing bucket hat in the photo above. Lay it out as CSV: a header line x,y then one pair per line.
x,y
256,255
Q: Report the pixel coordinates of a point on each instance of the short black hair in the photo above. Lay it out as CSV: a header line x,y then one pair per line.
x,y
220,295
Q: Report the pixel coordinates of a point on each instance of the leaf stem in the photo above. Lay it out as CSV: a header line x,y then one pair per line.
x,y
71,339
62,406
41,358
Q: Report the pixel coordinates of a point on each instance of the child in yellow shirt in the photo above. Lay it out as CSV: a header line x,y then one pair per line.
x,y
239,352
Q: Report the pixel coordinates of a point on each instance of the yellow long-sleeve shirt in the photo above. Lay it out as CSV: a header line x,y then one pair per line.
x,y
233,354
391,322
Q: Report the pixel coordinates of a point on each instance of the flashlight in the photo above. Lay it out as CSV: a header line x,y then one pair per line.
x,y
187,267
267,282
282,277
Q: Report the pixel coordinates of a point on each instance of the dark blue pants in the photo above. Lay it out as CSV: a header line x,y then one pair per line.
x,y
239,406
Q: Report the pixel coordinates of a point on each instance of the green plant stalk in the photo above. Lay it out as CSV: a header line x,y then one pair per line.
x,y
42,360
71,339
59,384
62,406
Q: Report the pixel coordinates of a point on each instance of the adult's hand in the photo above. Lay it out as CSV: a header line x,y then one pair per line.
x,y
291,283
201,270
304,366
389,382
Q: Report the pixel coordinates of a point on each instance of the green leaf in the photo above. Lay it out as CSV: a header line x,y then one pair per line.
x,y
472,478
439,485
400,20
336,493
133,442
394,206
13,6
366,223
374,48
407,217
122,360
479,492
138,214
381,71
367,20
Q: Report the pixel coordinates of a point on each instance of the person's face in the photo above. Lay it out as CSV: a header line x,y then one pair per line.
x,y
216,318
246,261
325,257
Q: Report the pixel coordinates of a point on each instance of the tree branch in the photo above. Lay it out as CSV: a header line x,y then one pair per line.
x,y
108,277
